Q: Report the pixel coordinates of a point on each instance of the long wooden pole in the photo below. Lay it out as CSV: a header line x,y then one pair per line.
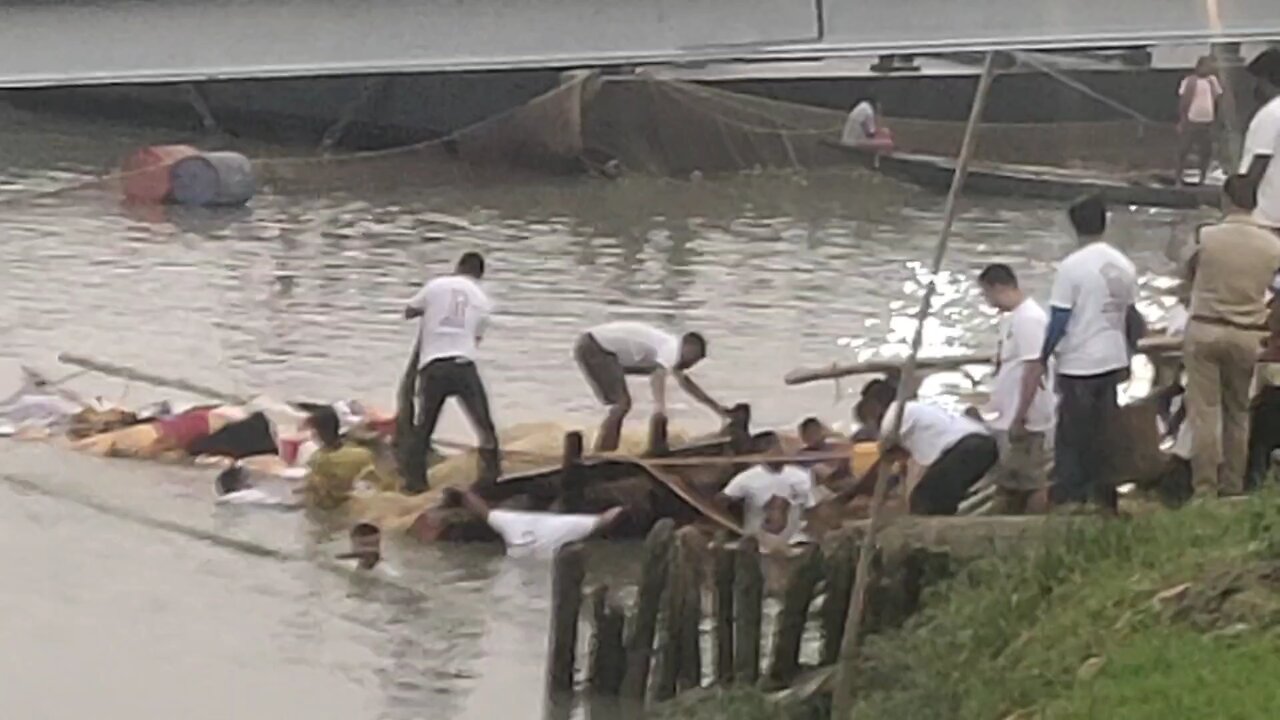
x,y
843,698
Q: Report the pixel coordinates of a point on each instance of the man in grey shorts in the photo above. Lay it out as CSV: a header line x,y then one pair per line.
x,y
608,353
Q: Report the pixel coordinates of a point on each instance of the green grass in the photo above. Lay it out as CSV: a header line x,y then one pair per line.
x,y
1009,635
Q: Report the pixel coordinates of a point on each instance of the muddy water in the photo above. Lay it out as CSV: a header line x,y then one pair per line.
x,y
299,296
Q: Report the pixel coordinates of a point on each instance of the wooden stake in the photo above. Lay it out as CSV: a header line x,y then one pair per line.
x,y
722,558
566,599
789,632
607,655
653,577
842,698
669,636
692,544
835,607
748,601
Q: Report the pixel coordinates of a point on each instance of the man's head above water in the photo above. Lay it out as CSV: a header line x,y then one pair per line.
x,y
366,546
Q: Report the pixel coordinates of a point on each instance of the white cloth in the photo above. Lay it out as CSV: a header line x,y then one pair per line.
x,y
1263,138
756,486
540,534
860,126
31,411
1022,333
928,431
1097,283
639,347
1205,92
455,312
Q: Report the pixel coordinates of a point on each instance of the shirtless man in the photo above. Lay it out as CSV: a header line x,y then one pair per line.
x,y
608,353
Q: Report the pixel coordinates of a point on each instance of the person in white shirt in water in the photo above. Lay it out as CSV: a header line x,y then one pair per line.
x,y
775,496
1093,330
610,352
1020,428
862,124
534,534
1262,141
1197,112
955,450
453,312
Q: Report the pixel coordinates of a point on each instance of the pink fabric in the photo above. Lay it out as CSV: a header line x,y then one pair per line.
x,y
183,429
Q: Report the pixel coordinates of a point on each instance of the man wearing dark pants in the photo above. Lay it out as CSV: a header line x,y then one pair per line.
x,y
453,312
955,451
1092,326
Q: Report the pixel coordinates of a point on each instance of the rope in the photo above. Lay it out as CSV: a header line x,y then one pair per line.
x,y
1035,61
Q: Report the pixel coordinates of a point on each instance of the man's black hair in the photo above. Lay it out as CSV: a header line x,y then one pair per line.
x,y
1088,216
698,341
1242,192
998,275
880,391
471,263
810,422
325,422
364,530
766,441
231,480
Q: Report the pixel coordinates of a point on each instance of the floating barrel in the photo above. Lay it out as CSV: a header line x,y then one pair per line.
x,y
146,172
213,178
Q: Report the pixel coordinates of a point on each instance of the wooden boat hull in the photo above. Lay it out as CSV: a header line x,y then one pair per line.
x,y
1044,183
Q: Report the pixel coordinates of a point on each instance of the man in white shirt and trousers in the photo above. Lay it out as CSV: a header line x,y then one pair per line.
x,y
610,352
1262,141
1093,328
453,312
1021,424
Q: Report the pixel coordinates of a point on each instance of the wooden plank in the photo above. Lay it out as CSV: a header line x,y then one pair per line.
x,y
566,602
653,578
792,617
722,562
748,601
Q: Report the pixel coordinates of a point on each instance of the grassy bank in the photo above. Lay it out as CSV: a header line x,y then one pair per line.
x,y
1172,614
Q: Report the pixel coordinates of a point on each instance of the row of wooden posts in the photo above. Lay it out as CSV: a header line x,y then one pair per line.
x,y
655,651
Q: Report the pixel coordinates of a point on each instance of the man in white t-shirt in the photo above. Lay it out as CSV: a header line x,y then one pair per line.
x,y
775,496
1023,410
861,125
453,313
1262,141
955,451
1093,327
1197,111
534,534
610,352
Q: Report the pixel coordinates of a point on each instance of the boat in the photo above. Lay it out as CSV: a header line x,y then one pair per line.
x,y
1036,181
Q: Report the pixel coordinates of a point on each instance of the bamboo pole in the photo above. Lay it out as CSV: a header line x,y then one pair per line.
x,y
842,699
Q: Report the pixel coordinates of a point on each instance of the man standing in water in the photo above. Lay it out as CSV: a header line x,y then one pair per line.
x,y
453,312
1023,415
608,353
1197,111
1092,328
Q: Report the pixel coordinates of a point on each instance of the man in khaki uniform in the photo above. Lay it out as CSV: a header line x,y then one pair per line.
x,y
1231,268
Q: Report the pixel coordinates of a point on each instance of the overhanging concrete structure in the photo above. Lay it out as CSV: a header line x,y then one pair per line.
x,y
82,42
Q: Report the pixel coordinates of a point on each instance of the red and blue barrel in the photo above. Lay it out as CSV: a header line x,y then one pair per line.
x,y
185,175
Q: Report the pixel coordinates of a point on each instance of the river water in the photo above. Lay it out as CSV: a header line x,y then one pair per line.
x,y
119,595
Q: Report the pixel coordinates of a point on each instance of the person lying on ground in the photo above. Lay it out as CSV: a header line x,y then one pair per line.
x,y
610,352
336,467
774,496
534,534
955,450
173,436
